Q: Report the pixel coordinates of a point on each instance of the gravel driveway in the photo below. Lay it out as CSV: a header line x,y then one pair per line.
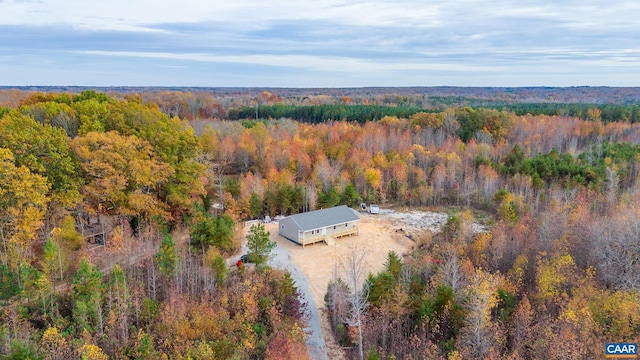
x,y
316,348
281,259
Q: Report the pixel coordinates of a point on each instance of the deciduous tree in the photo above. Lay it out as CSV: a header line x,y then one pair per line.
x,y
23,200
353,267
123,174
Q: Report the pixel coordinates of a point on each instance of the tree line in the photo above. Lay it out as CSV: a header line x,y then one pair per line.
x,y
321,113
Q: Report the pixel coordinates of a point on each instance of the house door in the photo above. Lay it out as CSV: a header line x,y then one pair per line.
x,y
324,231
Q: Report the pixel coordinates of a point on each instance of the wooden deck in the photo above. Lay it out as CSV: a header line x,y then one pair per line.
x,y
312,240
348,232
330,239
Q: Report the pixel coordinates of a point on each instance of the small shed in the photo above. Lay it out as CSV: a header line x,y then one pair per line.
x,y
320,225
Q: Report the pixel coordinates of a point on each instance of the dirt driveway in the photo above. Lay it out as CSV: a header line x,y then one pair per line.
x,y
313,266
318,262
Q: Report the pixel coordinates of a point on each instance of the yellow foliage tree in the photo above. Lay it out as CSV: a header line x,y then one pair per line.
x,y
123,173
554,276
54,346
23,200
92,352
373,177
480,334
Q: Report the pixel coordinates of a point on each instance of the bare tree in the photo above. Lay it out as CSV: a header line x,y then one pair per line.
x,y
552,225
152,279
612,184
353,267
336,301
452,271
480,333
310,197
615,246
450,124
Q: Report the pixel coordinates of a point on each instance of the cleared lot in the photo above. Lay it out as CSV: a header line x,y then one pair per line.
x,y
315,265
318,262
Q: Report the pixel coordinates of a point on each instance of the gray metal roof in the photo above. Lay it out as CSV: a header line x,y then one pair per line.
x,y
325,217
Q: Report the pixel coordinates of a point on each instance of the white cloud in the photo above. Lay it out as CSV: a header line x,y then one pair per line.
x,y
315,63
133,14
362,41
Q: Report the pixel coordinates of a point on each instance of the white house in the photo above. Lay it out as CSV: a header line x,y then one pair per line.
x,y
320,225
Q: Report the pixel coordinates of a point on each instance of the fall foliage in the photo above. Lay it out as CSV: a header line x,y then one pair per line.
x,y
173,173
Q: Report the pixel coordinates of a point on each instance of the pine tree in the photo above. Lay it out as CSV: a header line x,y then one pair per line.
x,y
167,257
259,244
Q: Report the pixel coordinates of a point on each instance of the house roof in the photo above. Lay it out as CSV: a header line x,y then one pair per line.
x,y
324,217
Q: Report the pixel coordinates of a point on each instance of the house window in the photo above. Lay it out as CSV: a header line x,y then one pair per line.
x,y
334,227
346,225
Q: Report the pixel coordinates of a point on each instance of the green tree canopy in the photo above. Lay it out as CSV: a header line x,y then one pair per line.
x,y
259,244
208,230
168,258
44,150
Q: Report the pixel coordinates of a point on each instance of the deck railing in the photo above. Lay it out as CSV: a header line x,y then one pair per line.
x,y
312,239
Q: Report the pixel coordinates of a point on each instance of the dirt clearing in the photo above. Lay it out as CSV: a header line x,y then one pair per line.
x,y
318,262
314,265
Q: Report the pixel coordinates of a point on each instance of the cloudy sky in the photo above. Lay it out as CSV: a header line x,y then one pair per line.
x,y
320,43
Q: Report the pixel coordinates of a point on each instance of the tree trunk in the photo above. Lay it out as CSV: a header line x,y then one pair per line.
x,y
60,263
360,352
354,268
5,258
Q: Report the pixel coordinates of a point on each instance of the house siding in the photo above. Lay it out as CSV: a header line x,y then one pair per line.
x,y
289,228
341,228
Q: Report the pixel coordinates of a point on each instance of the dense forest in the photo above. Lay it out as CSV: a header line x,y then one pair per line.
x,y
155,283
169,174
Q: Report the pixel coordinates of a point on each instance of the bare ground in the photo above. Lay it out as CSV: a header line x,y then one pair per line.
x,y
318,262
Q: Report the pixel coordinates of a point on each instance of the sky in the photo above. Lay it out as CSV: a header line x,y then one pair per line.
x,y
321,43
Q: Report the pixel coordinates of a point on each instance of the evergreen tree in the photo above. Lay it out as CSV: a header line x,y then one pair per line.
x,y
350,195
167,257
87,295
255,206
259,244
